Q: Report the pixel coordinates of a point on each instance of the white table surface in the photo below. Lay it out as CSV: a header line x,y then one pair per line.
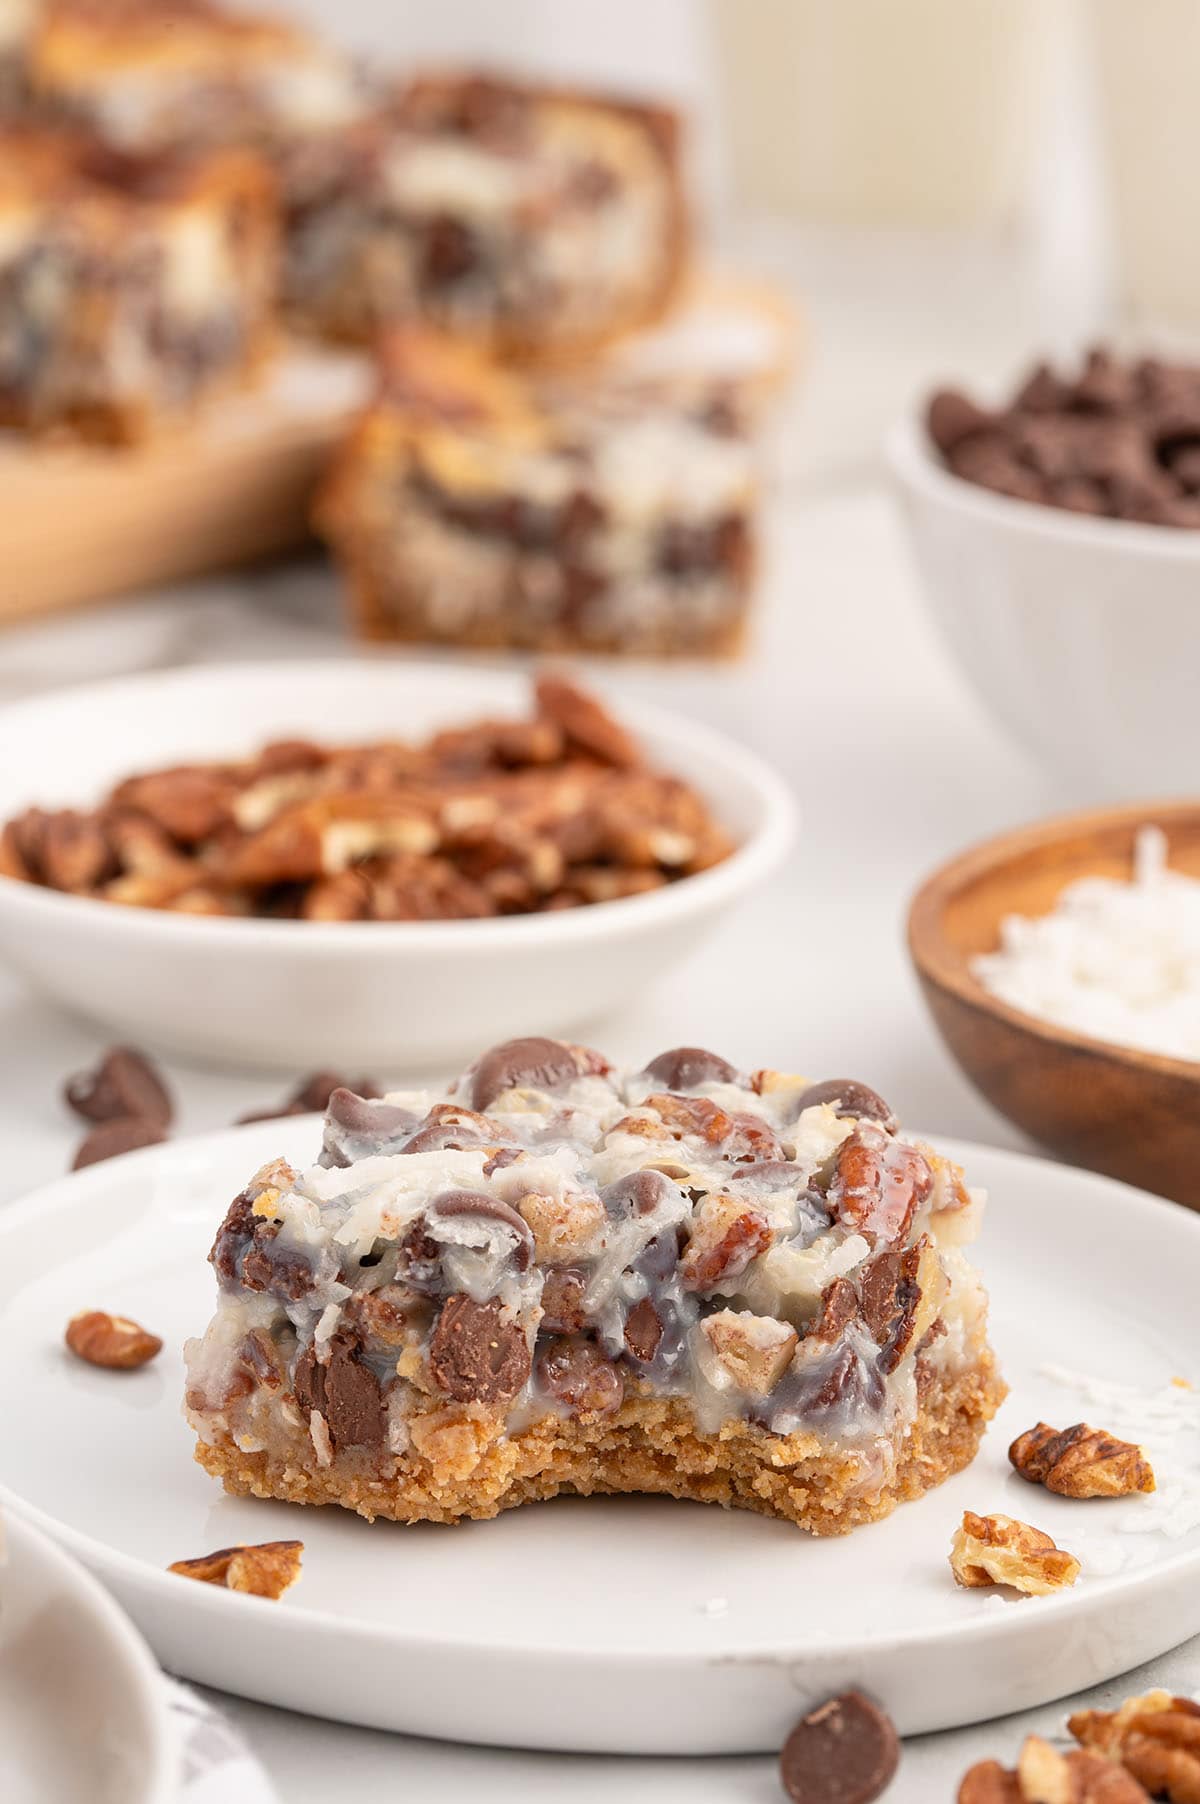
x,y
849,694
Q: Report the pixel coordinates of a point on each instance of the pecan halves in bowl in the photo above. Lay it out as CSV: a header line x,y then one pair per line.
x,y
999,1550
1081,1461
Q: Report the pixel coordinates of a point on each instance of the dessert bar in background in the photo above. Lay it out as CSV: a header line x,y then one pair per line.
x,y
534,221
1120,439
131,289
153,75
737,1288
16,20
492,817
594,512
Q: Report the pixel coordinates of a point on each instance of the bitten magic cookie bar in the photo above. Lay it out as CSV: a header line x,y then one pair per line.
x,y
534,221
130,288
742,1289
599,513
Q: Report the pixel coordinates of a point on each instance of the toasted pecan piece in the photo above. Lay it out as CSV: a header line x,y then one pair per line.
x,y
112,1341
999,1550
264,1569
1156,1738
1081,1461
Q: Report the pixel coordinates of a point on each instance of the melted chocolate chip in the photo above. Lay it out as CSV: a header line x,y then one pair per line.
x,y
475,1355
640,1193
123,1084
474,1202
850,1100
345,1390
686,1067
845,1751
534,1062
577,1374
643,1331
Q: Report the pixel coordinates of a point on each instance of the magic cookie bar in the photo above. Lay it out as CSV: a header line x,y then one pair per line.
x,y
534,221
744,1290
154,75
130,289
472,506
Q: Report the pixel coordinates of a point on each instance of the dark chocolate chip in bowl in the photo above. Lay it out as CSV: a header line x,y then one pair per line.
x,y
849,1098
846,1751
476,1355
124,1084
952,416
536,1062
109,1138
685,1067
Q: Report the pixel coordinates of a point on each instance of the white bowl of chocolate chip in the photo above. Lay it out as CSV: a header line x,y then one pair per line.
x,y
239,989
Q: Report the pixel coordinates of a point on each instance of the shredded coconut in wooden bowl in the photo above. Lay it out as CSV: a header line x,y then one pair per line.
x,y
1117,961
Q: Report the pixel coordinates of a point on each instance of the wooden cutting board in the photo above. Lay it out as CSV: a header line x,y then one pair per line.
x,y
80,522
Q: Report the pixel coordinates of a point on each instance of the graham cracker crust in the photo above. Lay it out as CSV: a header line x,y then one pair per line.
x,y
461,1463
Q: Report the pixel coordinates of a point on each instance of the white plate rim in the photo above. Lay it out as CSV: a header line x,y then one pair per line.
x,y
1069,1607
125,1643
753,860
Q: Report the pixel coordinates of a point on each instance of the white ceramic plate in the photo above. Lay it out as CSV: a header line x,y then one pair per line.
x,y
83,1710
290,994
637,1625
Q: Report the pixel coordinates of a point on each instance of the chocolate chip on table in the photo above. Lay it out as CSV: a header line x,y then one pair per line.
x,y
110,1138
684,1067
846,1751
850,1099
124,1083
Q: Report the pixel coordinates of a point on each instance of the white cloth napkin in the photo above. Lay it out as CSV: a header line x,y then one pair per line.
x,y
215,1765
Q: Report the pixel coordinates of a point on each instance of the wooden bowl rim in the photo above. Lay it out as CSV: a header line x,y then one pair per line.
x,y
937,962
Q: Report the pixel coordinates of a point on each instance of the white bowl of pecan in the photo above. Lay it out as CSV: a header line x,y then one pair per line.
x,y
1057,536
276,865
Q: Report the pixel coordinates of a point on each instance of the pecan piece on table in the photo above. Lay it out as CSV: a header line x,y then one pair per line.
x,y
1043,1775
1156,1738
113,1341
999,1550
1081,1461
264,1569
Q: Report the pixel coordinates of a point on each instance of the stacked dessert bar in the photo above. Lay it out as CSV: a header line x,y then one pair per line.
x,y
130,288
738,1288
475,506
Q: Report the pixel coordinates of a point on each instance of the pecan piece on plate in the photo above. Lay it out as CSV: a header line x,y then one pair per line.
x,y
999,1550
1043,1775
112,1341
1081,1461
1156,1738
265,1569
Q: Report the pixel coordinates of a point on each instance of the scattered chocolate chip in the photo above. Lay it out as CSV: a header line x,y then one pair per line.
x,y
110,1138
476,1355
846,1751
312,1096
124,1083
533,1062
850,1099
686,1067
474,1202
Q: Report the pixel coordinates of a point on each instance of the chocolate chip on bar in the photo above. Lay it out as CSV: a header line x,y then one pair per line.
x,y
476,1355
846,1751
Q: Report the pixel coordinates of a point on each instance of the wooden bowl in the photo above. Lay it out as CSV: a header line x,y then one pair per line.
x,y
1131,1114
